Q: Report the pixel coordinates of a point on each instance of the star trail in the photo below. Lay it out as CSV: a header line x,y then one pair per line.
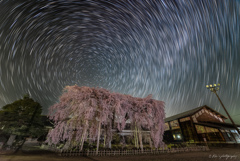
x,y
170,49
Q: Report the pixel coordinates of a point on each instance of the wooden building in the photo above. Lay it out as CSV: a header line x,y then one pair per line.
x,y
198,125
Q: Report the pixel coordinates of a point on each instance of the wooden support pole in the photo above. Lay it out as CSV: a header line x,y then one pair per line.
x,y
83,138
98,138
140,139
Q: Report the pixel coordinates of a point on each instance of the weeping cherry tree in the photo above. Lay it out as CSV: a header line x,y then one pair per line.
x,y
82,112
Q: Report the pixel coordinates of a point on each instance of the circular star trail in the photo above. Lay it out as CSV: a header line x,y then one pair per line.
x,y
170,49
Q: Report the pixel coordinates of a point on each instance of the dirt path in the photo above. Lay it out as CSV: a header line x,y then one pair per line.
x,y
230,154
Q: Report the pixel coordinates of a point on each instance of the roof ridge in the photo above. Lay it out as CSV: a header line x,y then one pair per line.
x,y
190,112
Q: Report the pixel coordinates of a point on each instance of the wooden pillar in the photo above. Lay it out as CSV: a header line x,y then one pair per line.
x,y
150,141
136,136
220,132
170,129
183,138
98,138
83,138
140,139
194,128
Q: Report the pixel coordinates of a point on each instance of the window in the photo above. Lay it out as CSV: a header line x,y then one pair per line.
x,y
174,124
211,130
236,135
167,126
200,129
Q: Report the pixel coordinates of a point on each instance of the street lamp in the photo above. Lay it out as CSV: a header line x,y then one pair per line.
x,y
214,88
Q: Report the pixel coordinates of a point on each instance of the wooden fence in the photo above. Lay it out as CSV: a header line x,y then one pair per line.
x,y
130,152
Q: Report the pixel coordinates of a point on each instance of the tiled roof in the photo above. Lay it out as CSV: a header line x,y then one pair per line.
x,y
191,112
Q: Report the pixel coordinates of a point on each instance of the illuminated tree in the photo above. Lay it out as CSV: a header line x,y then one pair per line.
x,y
144,113
83,111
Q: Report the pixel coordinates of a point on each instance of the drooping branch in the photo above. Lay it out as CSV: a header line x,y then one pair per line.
x,y
79,107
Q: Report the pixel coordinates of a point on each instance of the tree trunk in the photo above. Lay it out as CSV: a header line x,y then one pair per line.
x,y
110,144
11,139
113,120
104,143
98,138
136,137
20,146
27,130
140,139
83,138
109,136
150,142
67,145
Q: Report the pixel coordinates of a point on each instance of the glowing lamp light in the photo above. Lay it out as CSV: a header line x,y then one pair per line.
x,y
214,88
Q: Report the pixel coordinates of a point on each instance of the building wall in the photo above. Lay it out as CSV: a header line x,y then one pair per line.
x,y
189,129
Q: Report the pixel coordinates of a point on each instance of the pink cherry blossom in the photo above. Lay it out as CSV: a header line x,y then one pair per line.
x,y
77,115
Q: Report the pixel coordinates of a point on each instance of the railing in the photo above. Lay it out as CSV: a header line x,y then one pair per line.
x,y
130,152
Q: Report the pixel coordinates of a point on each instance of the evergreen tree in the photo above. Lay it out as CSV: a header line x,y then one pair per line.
x,y
22,118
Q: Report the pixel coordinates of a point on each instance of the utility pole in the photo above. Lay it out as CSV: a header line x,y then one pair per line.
x,y
214,88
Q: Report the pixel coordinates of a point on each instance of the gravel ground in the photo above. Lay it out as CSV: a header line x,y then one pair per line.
x,y
230,153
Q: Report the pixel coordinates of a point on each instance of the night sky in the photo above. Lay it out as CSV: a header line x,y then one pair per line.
x,y
168,48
